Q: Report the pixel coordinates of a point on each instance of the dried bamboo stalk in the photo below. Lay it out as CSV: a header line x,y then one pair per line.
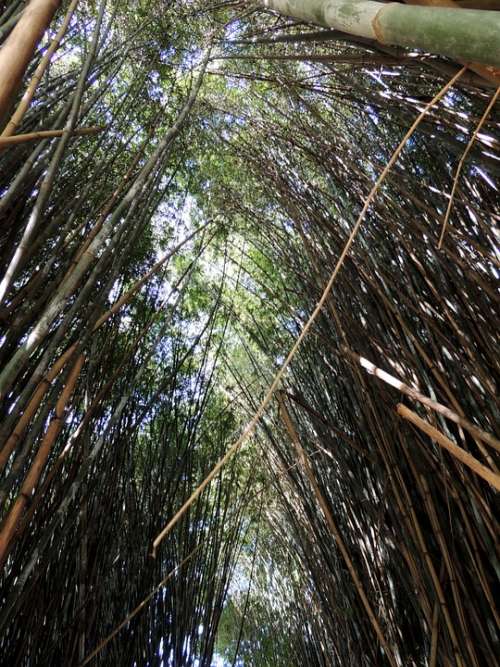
x,y
463,456
47,134
425,400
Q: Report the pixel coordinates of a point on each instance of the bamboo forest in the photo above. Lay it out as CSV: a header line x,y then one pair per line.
x,y
249,333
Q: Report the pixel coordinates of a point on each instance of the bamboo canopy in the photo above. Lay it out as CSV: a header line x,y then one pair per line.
x,y
248,349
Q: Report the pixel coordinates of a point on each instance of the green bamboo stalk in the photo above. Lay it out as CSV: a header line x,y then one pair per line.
x,y
468,35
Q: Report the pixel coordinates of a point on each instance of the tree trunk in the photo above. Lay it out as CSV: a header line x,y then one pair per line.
x,y
462,34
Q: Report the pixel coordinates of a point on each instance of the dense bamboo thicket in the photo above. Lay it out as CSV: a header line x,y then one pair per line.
x,y
178,182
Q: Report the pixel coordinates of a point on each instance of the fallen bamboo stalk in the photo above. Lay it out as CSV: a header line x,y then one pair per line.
x,y
456,451
47,134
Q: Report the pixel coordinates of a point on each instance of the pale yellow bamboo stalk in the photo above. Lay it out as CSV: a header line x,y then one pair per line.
x,y
456,451
17,116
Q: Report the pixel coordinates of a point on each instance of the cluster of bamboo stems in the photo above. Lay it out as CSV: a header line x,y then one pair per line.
x,y
387,464
380,449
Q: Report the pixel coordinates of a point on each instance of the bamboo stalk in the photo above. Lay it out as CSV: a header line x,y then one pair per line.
x,y
489,73
434,636
460,454
19,47
6,141
11,521
447,563
33,406
425,400
424,551
322,502
466,35
16,118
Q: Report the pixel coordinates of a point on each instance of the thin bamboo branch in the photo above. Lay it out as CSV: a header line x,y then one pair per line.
x,y
462,160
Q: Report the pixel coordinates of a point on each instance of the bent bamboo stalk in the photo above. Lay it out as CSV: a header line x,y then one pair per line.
x,y
466,35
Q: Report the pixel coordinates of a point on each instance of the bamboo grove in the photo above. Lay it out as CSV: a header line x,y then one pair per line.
x,y
178,182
